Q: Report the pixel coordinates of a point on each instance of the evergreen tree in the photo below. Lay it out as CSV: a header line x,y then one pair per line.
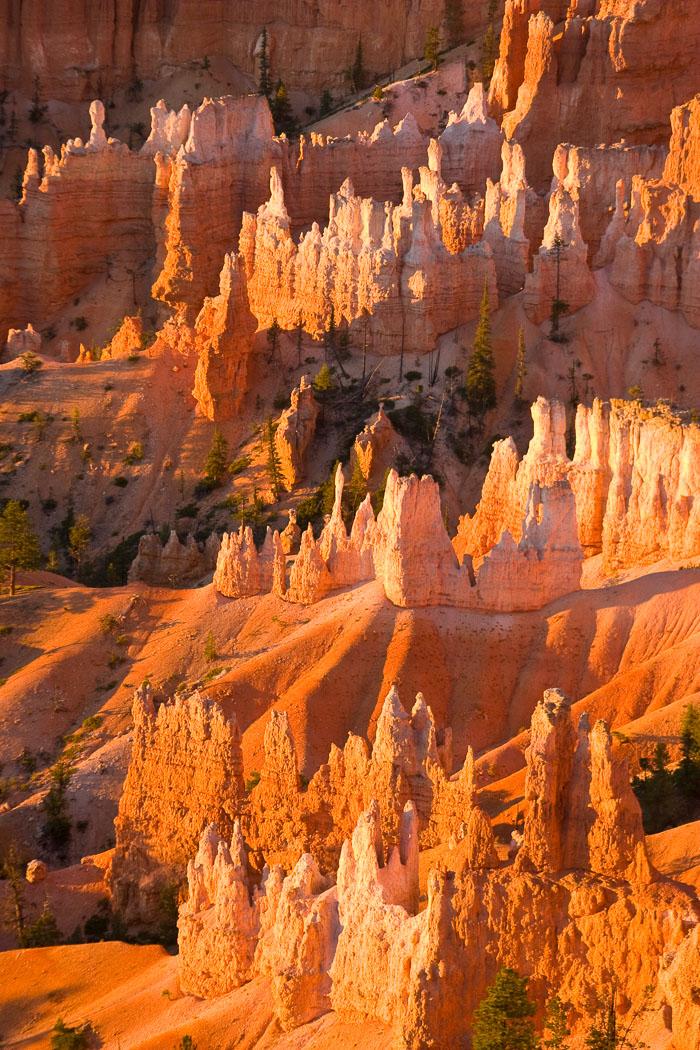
x,y
688,773
503,1020
378,496
555,1024
608,1033
329,341
452,22
356,73
282,114
521,368
480,384
75,424
273,340
326,103
300,335
43,932
274,468
216,461
210,648
489,51
79,538
431,51
357,488
19,544
324,382
264,76
559,306
13,915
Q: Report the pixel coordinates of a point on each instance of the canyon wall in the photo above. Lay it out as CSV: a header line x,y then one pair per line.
x,y
76,49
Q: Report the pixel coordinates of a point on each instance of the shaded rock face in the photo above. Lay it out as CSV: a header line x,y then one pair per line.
x,y
175,562
635,478
581,886
186,770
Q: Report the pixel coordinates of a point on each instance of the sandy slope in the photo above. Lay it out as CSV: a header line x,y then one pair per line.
x,y
130,996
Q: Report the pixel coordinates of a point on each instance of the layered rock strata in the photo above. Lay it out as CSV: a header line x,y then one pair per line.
x,y
581,885
634,476
224,331
282,818
186,770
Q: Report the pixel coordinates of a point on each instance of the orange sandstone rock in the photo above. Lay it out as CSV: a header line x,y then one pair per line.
x,y
224,332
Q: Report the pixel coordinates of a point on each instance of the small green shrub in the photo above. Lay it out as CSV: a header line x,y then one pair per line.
x,y
134,453
240,464
253,780
63,1037
121,482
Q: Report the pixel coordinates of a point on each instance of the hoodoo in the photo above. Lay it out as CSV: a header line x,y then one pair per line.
x,y
350,525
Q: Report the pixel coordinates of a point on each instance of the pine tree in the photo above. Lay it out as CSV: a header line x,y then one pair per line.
x,y
273,340
43,932
13,916
357,73
329,340
75,424
216,461
559,306
19,544
210,649
489,51
324,382
452,21
688,772
431,51
282,114
357,488
79,538
264,77
555,1024
521,368
300,335
480,384
503,1020
274,468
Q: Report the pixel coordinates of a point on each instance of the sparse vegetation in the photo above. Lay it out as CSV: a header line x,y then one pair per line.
x,y
63,1037
19,544
503,1020
210,653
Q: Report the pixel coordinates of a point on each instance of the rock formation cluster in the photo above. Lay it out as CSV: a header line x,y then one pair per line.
x,y
408,549
173,562
633,474
282,818
357,943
